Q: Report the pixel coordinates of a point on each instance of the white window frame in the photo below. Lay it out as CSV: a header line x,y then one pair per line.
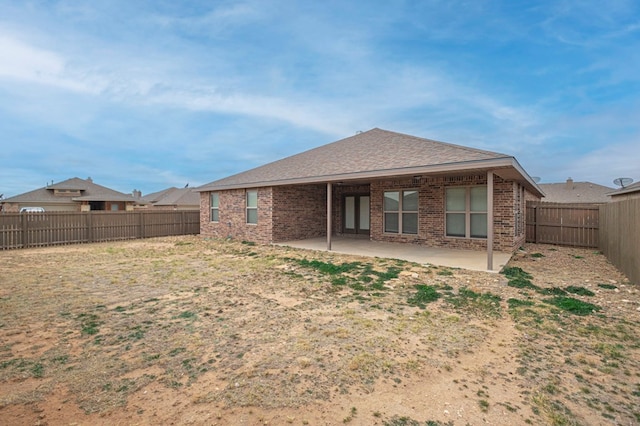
x,y
215,210
251,208
400,212
467,212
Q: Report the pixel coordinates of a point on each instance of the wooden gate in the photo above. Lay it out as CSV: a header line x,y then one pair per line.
x,y
563,224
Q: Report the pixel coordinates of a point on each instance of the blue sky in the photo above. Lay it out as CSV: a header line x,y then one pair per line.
x,y
150,94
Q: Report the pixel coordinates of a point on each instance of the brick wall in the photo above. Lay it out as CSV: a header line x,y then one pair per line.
x,y
299,212
431,216
233,222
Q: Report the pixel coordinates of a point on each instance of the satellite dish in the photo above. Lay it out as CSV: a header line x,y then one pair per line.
x,y
536,179
622,181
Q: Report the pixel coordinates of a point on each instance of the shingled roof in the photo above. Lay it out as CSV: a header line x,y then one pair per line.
x,y
575,192
89,191
373,154
626,190
174,197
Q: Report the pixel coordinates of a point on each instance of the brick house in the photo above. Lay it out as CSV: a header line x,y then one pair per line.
x,y
380,185
70,195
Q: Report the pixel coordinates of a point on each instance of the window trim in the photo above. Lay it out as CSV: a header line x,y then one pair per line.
x,y
215,209
467,212
400,212
250,208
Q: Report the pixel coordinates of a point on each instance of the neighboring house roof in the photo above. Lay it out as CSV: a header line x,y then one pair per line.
x,y
575,192
88,191
173,197
626,190
374,154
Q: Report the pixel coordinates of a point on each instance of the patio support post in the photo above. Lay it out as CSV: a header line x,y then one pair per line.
x,y
490,220
329,209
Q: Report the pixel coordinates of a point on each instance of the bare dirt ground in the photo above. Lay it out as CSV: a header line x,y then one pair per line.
x,y
192,331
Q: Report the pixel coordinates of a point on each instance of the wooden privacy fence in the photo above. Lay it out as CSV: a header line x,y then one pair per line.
x,y
563,224
22,230
620,236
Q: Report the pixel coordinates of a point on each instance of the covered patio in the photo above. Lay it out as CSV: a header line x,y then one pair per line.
x,y
467,259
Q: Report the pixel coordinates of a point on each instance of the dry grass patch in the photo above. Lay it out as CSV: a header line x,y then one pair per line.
x,y
258,332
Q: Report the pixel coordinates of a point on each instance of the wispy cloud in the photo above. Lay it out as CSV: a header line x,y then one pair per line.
x,y
169,87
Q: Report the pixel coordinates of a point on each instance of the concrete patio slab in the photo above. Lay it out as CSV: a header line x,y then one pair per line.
x,y
466,259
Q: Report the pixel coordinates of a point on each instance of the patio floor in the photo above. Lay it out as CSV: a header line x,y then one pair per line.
x,y
466,259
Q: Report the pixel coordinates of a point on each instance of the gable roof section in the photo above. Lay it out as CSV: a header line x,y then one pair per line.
x,y
575,192
626,190
173,197
373,154
90,192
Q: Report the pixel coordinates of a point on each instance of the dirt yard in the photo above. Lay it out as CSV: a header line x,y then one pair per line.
x,y
192,331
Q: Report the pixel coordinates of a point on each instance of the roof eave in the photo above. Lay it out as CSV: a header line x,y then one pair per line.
x,y
494,163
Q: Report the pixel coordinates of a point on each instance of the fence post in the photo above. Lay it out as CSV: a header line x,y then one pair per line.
x,y
23,225
141,224
89,225
535,224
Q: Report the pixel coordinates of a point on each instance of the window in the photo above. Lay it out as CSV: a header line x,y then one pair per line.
x,y
252,206
215,207
401,212
466,212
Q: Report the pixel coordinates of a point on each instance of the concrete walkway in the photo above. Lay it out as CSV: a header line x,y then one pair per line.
x,y
466,259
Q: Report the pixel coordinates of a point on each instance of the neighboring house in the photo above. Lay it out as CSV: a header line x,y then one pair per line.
x,y
383,185
625,193
575,192
173,199
73,194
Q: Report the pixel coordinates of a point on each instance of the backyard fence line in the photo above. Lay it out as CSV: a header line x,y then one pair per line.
x,y
23,230
620,236
563,224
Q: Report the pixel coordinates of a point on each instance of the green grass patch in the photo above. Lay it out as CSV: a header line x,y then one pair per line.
x,y
329,268
37,370
520,282
553,291
574,306
580,291
515,272
187,315
607,286
425,294
89,323
478,303
537,255
517,303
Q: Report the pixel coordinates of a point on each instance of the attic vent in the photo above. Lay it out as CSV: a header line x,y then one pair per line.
x,y
416,180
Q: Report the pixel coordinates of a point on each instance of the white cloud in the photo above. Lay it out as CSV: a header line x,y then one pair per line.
x,y
27,63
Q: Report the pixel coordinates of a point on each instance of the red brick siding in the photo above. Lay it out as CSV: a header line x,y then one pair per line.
x,y
232,214
299,212
431,217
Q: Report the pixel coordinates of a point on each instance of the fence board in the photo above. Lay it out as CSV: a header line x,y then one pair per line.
x,y
58,228
563,224
620,236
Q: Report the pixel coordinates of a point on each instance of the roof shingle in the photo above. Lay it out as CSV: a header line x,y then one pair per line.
x,y
376,151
